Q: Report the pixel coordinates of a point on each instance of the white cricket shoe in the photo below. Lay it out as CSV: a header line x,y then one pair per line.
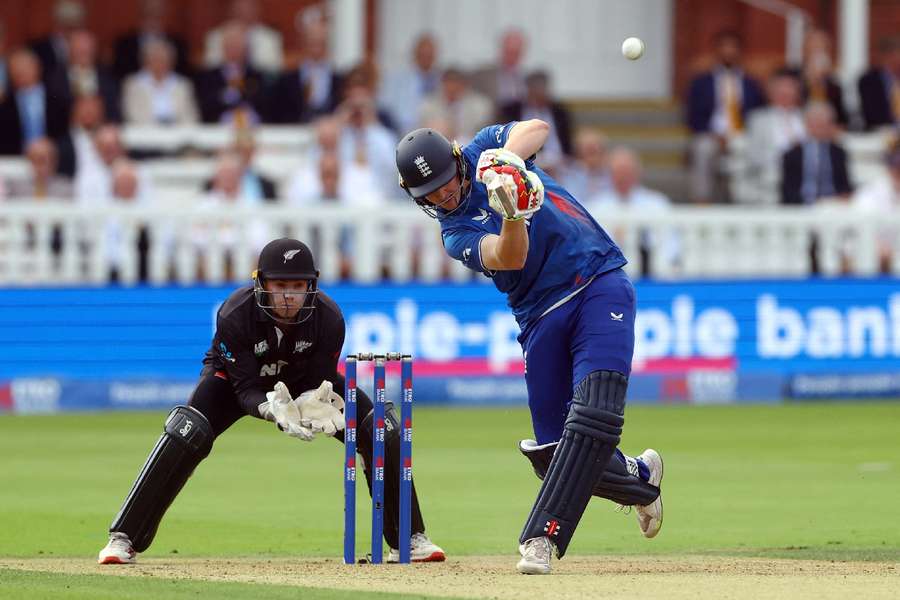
x,y
118,551
536,554
421,549
650,517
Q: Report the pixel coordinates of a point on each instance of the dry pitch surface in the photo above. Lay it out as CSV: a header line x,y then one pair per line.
x,y
610,577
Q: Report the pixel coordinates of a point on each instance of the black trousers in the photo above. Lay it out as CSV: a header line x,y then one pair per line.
x,y
215,398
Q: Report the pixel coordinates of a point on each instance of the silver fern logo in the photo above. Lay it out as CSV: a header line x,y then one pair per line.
x,y
290,254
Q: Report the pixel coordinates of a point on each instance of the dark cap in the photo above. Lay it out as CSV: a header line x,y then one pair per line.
x,y
286,258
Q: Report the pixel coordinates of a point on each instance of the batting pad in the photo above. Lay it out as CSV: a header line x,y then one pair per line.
x,y
186,440
615,483
590,436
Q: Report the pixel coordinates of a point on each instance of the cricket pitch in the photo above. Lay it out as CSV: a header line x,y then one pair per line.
x,y
612,577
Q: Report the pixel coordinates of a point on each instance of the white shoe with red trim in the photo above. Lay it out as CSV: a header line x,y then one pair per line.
x,y
421,549
118,551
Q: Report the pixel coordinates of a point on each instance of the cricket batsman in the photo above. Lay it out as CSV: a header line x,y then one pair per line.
x,y
562,275
274,356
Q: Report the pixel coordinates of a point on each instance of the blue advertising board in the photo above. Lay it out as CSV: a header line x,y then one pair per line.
x,y
701,342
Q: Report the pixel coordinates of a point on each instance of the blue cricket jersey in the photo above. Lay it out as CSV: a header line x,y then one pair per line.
x,y
566,245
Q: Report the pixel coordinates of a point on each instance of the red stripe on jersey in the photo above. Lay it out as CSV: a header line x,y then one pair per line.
x,y
567,207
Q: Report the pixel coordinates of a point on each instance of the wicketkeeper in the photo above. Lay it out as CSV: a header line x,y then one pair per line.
x,y
274,356
504,217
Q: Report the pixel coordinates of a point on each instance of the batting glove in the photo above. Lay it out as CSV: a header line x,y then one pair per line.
x,y
497,157
513,194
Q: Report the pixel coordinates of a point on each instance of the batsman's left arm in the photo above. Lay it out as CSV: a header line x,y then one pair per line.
x,y
527,137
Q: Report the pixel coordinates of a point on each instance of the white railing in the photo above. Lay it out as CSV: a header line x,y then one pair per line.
x,y
399,242
288,138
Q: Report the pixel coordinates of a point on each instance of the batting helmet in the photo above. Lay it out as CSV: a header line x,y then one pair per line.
x,y
285,259
427,161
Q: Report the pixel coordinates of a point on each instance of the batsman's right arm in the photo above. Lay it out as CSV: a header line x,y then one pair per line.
x,y
527,137
507,251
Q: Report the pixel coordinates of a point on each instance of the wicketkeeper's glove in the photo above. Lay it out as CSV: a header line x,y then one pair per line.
x,y
281,408
513,191
321,410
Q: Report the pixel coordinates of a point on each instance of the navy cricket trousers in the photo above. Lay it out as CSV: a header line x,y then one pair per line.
x,y
592,331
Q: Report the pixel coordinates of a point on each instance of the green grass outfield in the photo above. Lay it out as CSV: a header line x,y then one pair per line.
x,y
807,481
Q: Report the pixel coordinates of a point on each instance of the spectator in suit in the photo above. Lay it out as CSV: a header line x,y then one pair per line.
x,y
43,181
464,110
53,50
882,197
254,187
404,90
233,91
83,76
717,106
771,131
129,48
504,81
156,94
816,167
312,89
588,175
819,84
879,87
33,108
539,104
264,47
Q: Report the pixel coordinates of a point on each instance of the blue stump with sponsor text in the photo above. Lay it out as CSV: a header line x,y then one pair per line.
x,y
350,461
378,455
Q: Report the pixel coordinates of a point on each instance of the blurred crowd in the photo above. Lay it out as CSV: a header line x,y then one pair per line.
x,y
63,110
788,130
63,106
791,124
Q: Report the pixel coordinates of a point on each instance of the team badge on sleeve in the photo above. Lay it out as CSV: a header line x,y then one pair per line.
x,y
225,352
